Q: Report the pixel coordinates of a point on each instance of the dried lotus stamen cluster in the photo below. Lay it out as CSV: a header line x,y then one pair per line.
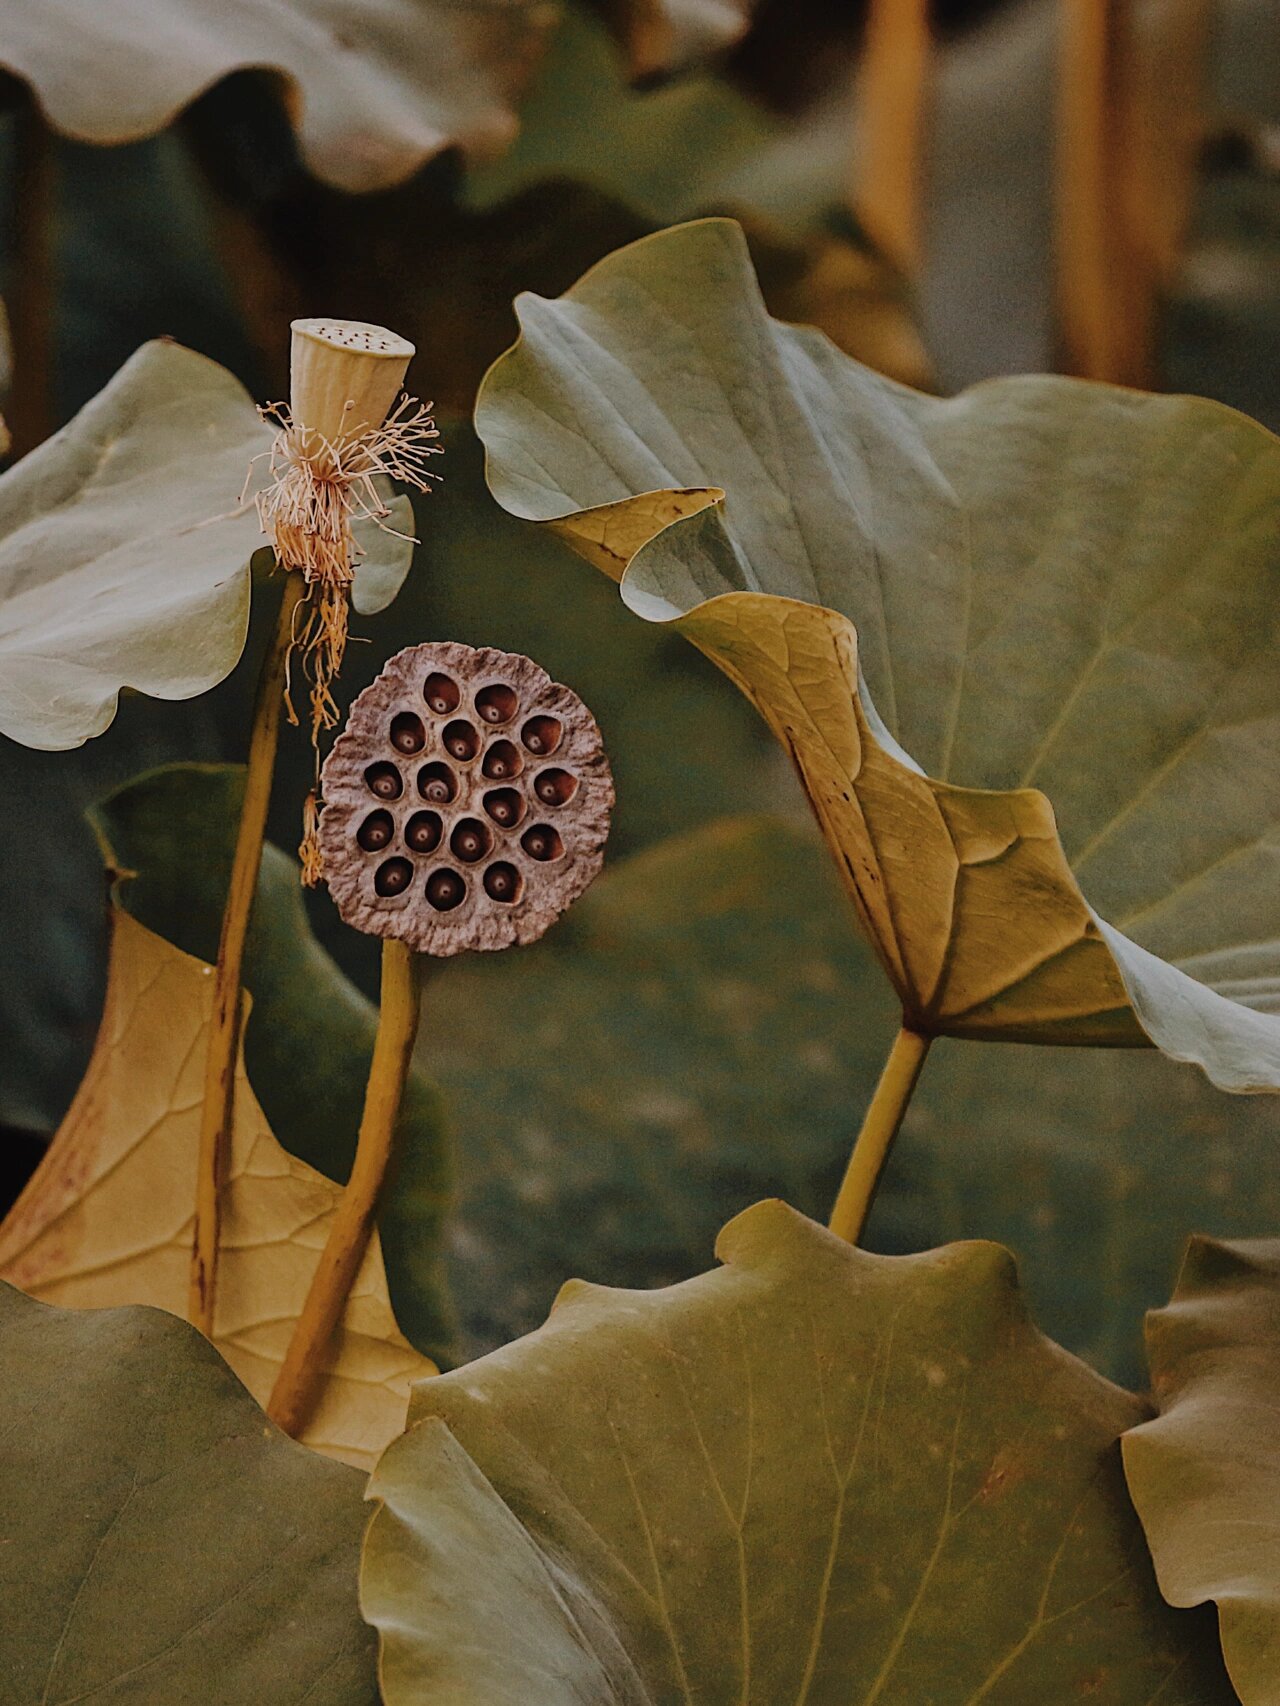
x,y
343,434
467,802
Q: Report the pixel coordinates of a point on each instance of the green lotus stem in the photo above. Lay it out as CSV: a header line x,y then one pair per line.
x,y
218,1108
879,1128
298,1383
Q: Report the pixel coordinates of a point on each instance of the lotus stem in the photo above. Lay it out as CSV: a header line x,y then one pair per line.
x,y
218,1108
893,89
298,1383
879,1128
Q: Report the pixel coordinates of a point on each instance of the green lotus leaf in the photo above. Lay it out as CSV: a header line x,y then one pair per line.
x,y
952,612
125,543
1205,1475
170,833
373,91
812,1475
700,1032
162,1540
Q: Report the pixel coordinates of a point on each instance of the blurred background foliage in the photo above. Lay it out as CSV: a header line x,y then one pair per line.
x,y
705,1028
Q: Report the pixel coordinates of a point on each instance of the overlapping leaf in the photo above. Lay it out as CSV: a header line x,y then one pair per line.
x,y
374,91
1205,1475
943,607
107,1217
705,1029
125,543
812,1475
162,1540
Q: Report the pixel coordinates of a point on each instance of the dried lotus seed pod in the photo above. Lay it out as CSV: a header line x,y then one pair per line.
x,y
467,802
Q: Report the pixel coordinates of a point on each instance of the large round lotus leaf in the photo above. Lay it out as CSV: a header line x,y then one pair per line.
x,y
373,90
1205,1475
162,1540
705,1028
125,543
943,607
814,1475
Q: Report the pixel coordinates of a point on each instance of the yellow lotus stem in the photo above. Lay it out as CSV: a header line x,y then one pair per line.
x,y
879,1128
218,1108
1107,271
893,90
298,1383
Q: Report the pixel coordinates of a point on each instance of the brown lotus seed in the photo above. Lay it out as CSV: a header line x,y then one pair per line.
x,y
441,693
497,703
407,733
502,882
555,787
376,831
542,735
470,841
504,806
501,761
445,890
423,831
461,741
394,877
385,781
542,843
437,783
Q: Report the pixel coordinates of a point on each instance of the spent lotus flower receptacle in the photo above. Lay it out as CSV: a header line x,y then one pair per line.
x,y
342,437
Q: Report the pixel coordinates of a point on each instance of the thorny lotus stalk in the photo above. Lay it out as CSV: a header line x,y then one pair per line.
x,y
335,442
298,1383
879,1128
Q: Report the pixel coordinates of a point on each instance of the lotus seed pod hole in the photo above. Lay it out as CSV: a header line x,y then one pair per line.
x,y
502,882
407,733
461,741
376,831
502,762
497,703
555,787
470,841
542,735
505,806
394,877
423,832
542,843
437,783
445,890
385,781
442,694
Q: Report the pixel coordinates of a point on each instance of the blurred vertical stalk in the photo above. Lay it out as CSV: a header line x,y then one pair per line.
x,y
298,1383
892,92
1130,121
30,404
218,1108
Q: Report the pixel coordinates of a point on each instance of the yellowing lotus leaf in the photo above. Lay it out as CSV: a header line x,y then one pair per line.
x,y
1021,644
107,1217
374,90
125,543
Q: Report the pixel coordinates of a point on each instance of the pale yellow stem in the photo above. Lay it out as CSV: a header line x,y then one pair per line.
x,y
893,90
218,1108
300,1379
879,1128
